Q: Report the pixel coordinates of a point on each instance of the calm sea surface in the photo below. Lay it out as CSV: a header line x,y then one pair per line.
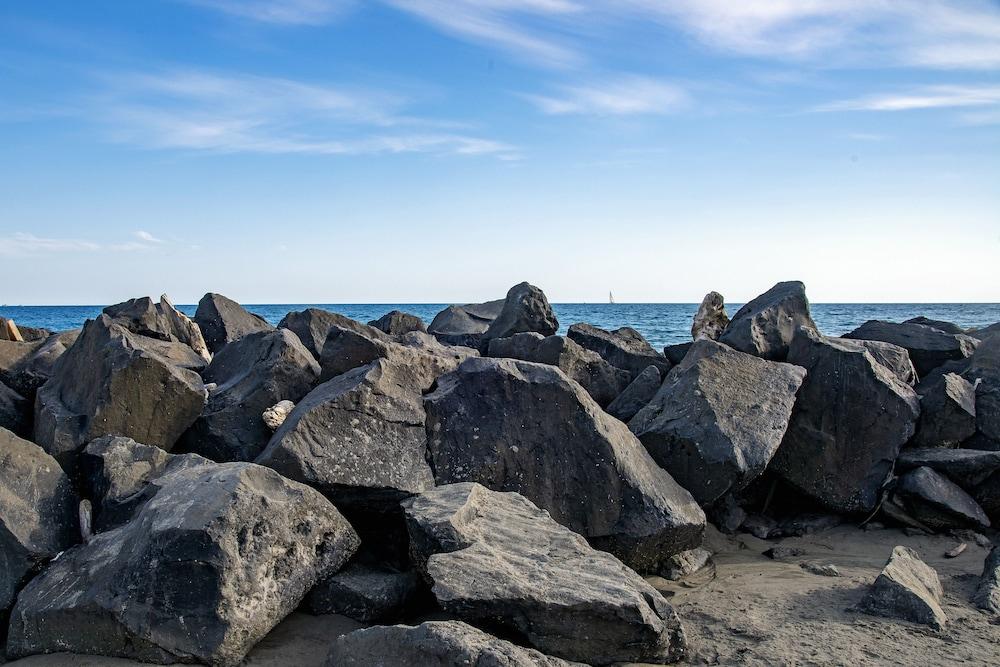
x,y
661,323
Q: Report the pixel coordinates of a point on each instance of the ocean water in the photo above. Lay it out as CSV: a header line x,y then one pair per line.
x,y
661,323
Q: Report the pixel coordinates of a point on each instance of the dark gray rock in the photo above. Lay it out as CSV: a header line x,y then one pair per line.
x,y
524,309
347,349
314,325
685,563
727,515
851,417
518,426
928,347
908,589
623,348
160,321
637,395
782,552
675,353
937,502
15,411
366,594
765,326
601,380
24,367
965,467
987,595
222,321
761,526
496,558
28,334
115,382
396,323
718,418
982,333
940,325
984,373
251,374
987,494
947,411
711,319
467,320
432,644
119,476
205,569
37,515
807,524
893,357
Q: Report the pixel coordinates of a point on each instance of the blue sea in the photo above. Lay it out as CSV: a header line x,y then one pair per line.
x,y
661,323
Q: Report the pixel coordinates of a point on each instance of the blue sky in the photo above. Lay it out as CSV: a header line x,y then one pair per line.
x,y
284,151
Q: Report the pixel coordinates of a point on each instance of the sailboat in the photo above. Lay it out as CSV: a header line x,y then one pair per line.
x,y
611,297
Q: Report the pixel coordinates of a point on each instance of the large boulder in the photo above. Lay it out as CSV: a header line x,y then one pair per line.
x,y
15,411
24,367
161,321
601,380
893,357
765,326
636,395
966,467
623,348
497,559
928,347
984,373
937,502
432,644
470,319
947,411
346,349
851,417
366,594
251,374
222,321
201,573
313,326
711,319
116,382
718,418
908,589
524,309
38,515
396,323
940,325
987,595
525,427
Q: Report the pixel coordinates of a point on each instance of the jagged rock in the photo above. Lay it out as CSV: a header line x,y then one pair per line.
x,y
119,475
821,569
718,418
984,373
160,321
907,588
37,515
190,332
711,319
601,380
893,357
987,595
496,558
314,325
685,563
966,467
623,348
636,395
782,552
928,347
222,321
940,325
15,411
727,515
432,644
276,415
937,502
947,411
518,426
851,417
675,353
765,326
251,374
115,382
525,309
982,333
24,367
470,319
365,594
396,323
202,572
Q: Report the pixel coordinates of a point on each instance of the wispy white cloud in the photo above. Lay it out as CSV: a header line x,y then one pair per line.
x,y
281,12
629,95
24,244
927,97
147,237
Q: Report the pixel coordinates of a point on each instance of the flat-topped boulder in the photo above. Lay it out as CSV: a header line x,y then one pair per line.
x,y
940,325
524,309
251,374
222,321
928,347
636,395
718,418
851,418
907,589
203,571
396,323
497,559
519,426
765,326
623,348
937,502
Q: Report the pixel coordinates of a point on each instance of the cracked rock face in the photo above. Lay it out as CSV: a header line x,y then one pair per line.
x,y
201,573
766,326
496,558
623,348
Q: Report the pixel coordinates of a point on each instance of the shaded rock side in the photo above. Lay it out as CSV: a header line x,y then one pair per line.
x,y
637,395
623,348
765,326
15,411
965,467
987,595
222,321
937,502
161,321
908,589
346,349
313,326
366,594
24,367
947,411
928,347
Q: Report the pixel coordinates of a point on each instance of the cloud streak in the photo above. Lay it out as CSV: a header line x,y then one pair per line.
x,y
928,97
626,96
24,244
281,12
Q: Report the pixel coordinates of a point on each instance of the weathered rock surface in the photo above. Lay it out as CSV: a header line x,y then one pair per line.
x,y
623,348
15,411
37,514
160,321
252,374
24,367
987,595
675,353
965,467
115,382
365,594
893,357
222,321
432,644
524,309
907,588
276,415
396,323
205,569
718,418
636,395
984,373
947,411
937,502
601,380
518,426
765,326
940,325
928,347
466,320
711,319
496,558
851,417
686,563
314,325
